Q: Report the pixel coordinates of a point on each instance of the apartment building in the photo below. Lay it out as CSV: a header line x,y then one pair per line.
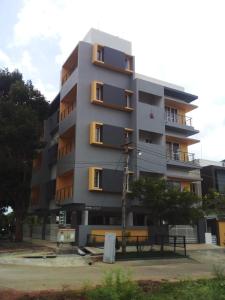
x,y
213,175
103,104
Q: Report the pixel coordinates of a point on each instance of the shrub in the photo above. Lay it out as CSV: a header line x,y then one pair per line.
x,y
116,285
218,272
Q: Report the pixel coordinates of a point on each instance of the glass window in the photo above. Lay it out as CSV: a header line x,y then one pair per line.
x,y
171,114
128,99
98,133
99,92
98,179
100,53
128,136
173,150
128,63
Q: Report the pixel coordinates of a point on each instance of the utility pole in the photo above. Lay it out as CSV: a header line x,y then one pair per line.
x,y
124,194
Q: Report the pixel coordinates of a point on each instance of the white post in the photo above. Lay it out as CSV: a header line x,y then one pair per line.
x,y
130,221
85,217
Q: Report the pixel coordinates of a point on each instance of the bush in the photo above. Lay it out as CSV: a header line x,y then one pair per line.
x,y
117,285
218,272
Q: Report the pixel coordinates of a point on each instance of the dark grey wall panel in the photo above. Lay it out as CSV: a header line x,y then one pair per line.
x,y
114,95
114,58
52,154
53,122
50,189
220,178
150,87
113,135
112,181
201,230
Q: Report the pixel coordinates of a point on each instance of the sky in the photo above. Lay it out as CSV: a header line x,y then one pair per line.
x,y
178,41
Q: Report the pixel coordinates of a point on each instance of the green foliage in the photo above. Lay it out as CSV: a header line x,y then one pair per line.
x,y
218,272
165,202
214,202
117,285
211,289
22,111
205,289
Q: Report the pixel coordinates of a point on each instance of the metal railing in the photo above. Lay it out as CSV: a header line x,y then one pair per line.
x,y
174,241
66,111
181,156
64,193
178,119
65,150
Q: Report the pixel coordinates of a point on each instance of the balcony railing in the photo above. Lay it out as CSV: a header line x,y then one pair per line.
x,y
64,193
65,150
66,111
179,119
181,156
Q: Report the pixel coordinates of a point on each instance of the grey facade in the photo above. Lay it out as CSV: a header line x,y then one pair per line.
x,y
101,103
213,178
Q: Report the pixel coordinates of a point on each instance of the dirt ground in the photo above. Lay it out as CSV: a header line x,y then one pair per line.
x,y
27,277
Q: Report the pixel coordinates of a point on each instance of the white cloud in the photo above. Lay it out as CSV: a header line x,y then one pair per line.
x,y
176,41
47,89
25,65
5,61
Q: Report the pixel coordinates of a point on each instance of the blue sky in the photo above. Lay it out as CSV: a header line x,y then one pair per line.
x,y
179,41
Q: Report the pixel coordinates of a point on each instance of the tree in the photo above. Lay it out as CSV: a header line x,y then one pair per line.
x,y
166,203
22,111
214,203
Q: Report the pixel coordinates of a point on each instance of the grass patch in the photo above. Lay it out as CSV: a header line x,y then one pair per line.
x,y
208,289
117,285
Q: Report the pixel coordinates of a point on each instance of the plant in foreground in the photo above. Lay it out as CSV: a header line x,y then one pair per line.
x,y
116,285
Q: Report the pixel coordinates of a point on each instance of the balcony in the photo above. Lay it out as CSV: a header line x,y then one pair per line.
x,y
66,111
65,150
179,119
64,188
69,66
181,159
64,194
180,123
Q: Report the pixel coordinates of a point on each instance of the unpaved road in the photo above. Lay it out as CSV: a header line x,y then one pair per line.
x,y
41,278
27,277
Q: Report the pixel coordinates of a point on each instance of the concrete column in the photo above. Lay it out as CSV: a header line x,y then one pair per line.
x,y
73,221
85,217
130,221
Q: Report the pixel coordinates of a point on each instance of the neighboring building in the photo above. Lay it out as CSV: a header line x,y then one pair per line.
x,y
213,176
103,103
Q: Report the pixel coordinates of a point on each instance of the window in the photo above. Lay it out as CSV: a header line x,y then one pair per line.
x,y
95,179
98,133
100,53
99,91
98,178
128,63
173,150
171,114
128,95
149,137
128,135
174,184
